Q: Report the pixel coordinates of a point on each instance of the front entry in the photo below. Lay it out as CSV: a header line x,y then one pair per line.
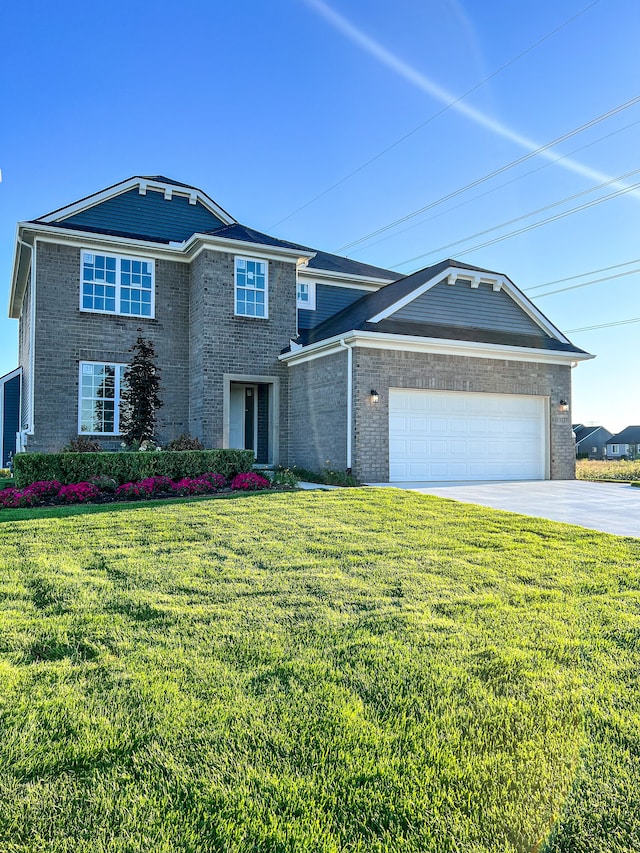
x,y
243,417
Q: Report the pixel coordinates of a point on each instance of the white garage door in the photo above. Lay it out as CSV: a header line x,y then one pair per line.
x,y
448,435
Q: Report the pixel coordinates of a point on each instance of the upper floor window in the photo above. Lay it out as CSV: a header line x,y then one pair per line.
x,y
306,295
101,388
117,285
252,288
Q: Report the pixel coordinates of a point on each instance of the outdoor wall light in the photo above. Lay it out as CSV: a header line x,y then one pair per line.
x,y
564,405
374,396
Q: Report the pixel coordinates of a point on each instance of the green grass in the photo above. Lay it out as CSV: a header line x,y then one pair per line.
x,y
362,670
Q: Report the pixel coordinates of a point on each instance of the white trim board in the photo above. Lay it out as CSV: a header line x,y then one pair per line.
x,y
443,346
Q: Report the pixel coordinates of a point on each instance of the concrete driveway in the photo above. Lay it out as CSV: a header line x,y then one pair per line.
x,y
609,507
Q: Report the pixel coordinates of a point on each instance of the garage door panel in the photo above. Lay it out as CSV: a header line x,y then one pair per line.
x,y
440,435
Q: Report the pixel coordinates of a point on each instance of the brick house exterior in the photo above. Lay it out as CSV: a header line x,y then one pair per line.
x,y
274,346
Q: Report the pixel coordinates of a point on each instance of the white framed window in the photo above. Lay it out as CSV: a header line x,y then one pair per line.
x,y
100,398
252,287
306,295
615,448
111,284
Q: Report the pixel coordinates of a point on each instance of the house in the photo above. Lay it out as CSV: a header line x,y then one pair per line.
x,y
591,441
9,415
624,445
308,358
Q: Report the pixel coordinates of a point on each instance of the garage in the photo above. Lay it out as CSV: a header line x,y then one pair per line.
x,y
456,436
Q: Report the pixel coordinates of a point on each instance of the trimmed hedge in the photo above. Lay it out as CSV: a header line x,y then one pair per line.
x,y
128,467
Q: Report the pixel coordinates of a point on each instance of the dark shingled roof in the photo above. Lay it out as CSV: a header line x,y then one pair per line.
x,y
581,431
91,229
321,261
629,435
357,315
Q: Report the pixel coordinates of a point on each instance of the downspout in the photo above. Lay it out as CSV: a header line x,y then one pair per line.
x,y
32,343
349,399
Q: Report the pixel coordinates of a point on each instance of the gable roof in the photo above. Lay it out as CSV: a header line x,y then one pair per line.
x,y
142,183
374,313
629,435
583,432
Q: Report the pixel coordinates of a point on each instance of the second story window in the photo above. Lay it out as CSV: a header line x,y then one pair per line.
x,y
117,285
306,295
252,288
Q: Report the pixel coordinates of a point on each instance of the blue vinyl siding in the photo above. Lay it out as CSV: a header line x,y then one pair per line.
x,y
329,300
10,417
149,215
462,305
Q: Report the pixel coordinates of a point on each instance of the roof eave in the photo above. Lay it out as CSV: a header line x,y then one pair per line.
x,y
19,272
448,346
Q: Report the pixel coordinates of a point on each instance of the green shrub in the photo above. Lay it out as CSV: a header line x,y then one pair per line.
x,y
327,476
128,467
82,444
185,442
281,477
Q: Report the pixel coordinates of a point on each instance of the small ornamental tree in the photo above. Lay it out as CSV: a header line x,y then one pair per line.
x,y
140,400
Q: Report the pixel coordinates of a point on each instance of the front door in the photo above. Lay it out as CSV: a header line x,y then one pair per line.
x,y
243,417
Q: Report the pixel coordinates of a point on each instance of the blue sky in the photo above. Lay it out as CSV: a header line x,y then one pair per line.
x,y
265,106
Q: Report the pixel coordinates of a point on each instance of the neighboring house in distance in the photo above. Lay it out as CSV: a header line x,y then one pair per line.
x,y
591,441
9,414
625,445
307,358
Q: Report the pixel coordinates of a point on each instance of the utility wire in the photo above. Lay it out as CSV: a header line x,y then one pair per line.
x,y
527,215
495,189
587,283
495,172
533,224
605,325
434,116
581,275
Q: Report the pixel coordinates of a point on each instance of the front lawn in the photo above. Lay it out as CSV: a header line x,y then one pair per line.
x,y
363,670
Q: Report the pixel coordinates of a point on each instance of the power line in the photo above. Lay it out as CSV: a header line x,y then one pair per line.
x,y
495,189
526,216
523,216
499,171
587,283
582,275
435,115
604,325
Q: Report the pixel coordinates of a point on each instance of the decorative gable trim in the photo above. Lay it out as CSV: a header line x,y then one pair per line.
x,y
143,185
497,281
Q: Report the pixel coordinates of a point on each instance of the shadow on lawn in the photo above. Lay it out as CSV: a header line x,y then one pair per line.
x,y
119,506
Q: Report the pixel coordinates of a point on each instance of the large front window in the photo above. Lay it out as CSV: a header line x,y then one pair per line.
x,y
251,287
100,395
117,285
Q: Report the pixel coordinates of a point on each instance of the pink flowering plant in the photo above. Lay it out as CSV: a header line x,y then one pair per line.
x,y
104,489
78,493
250,482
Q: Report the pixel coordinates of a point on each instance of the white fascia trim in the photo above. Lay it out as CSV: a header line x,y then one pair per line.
x,y
498,281
123,245
442,346
11,375
239,247
345,279
143,185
